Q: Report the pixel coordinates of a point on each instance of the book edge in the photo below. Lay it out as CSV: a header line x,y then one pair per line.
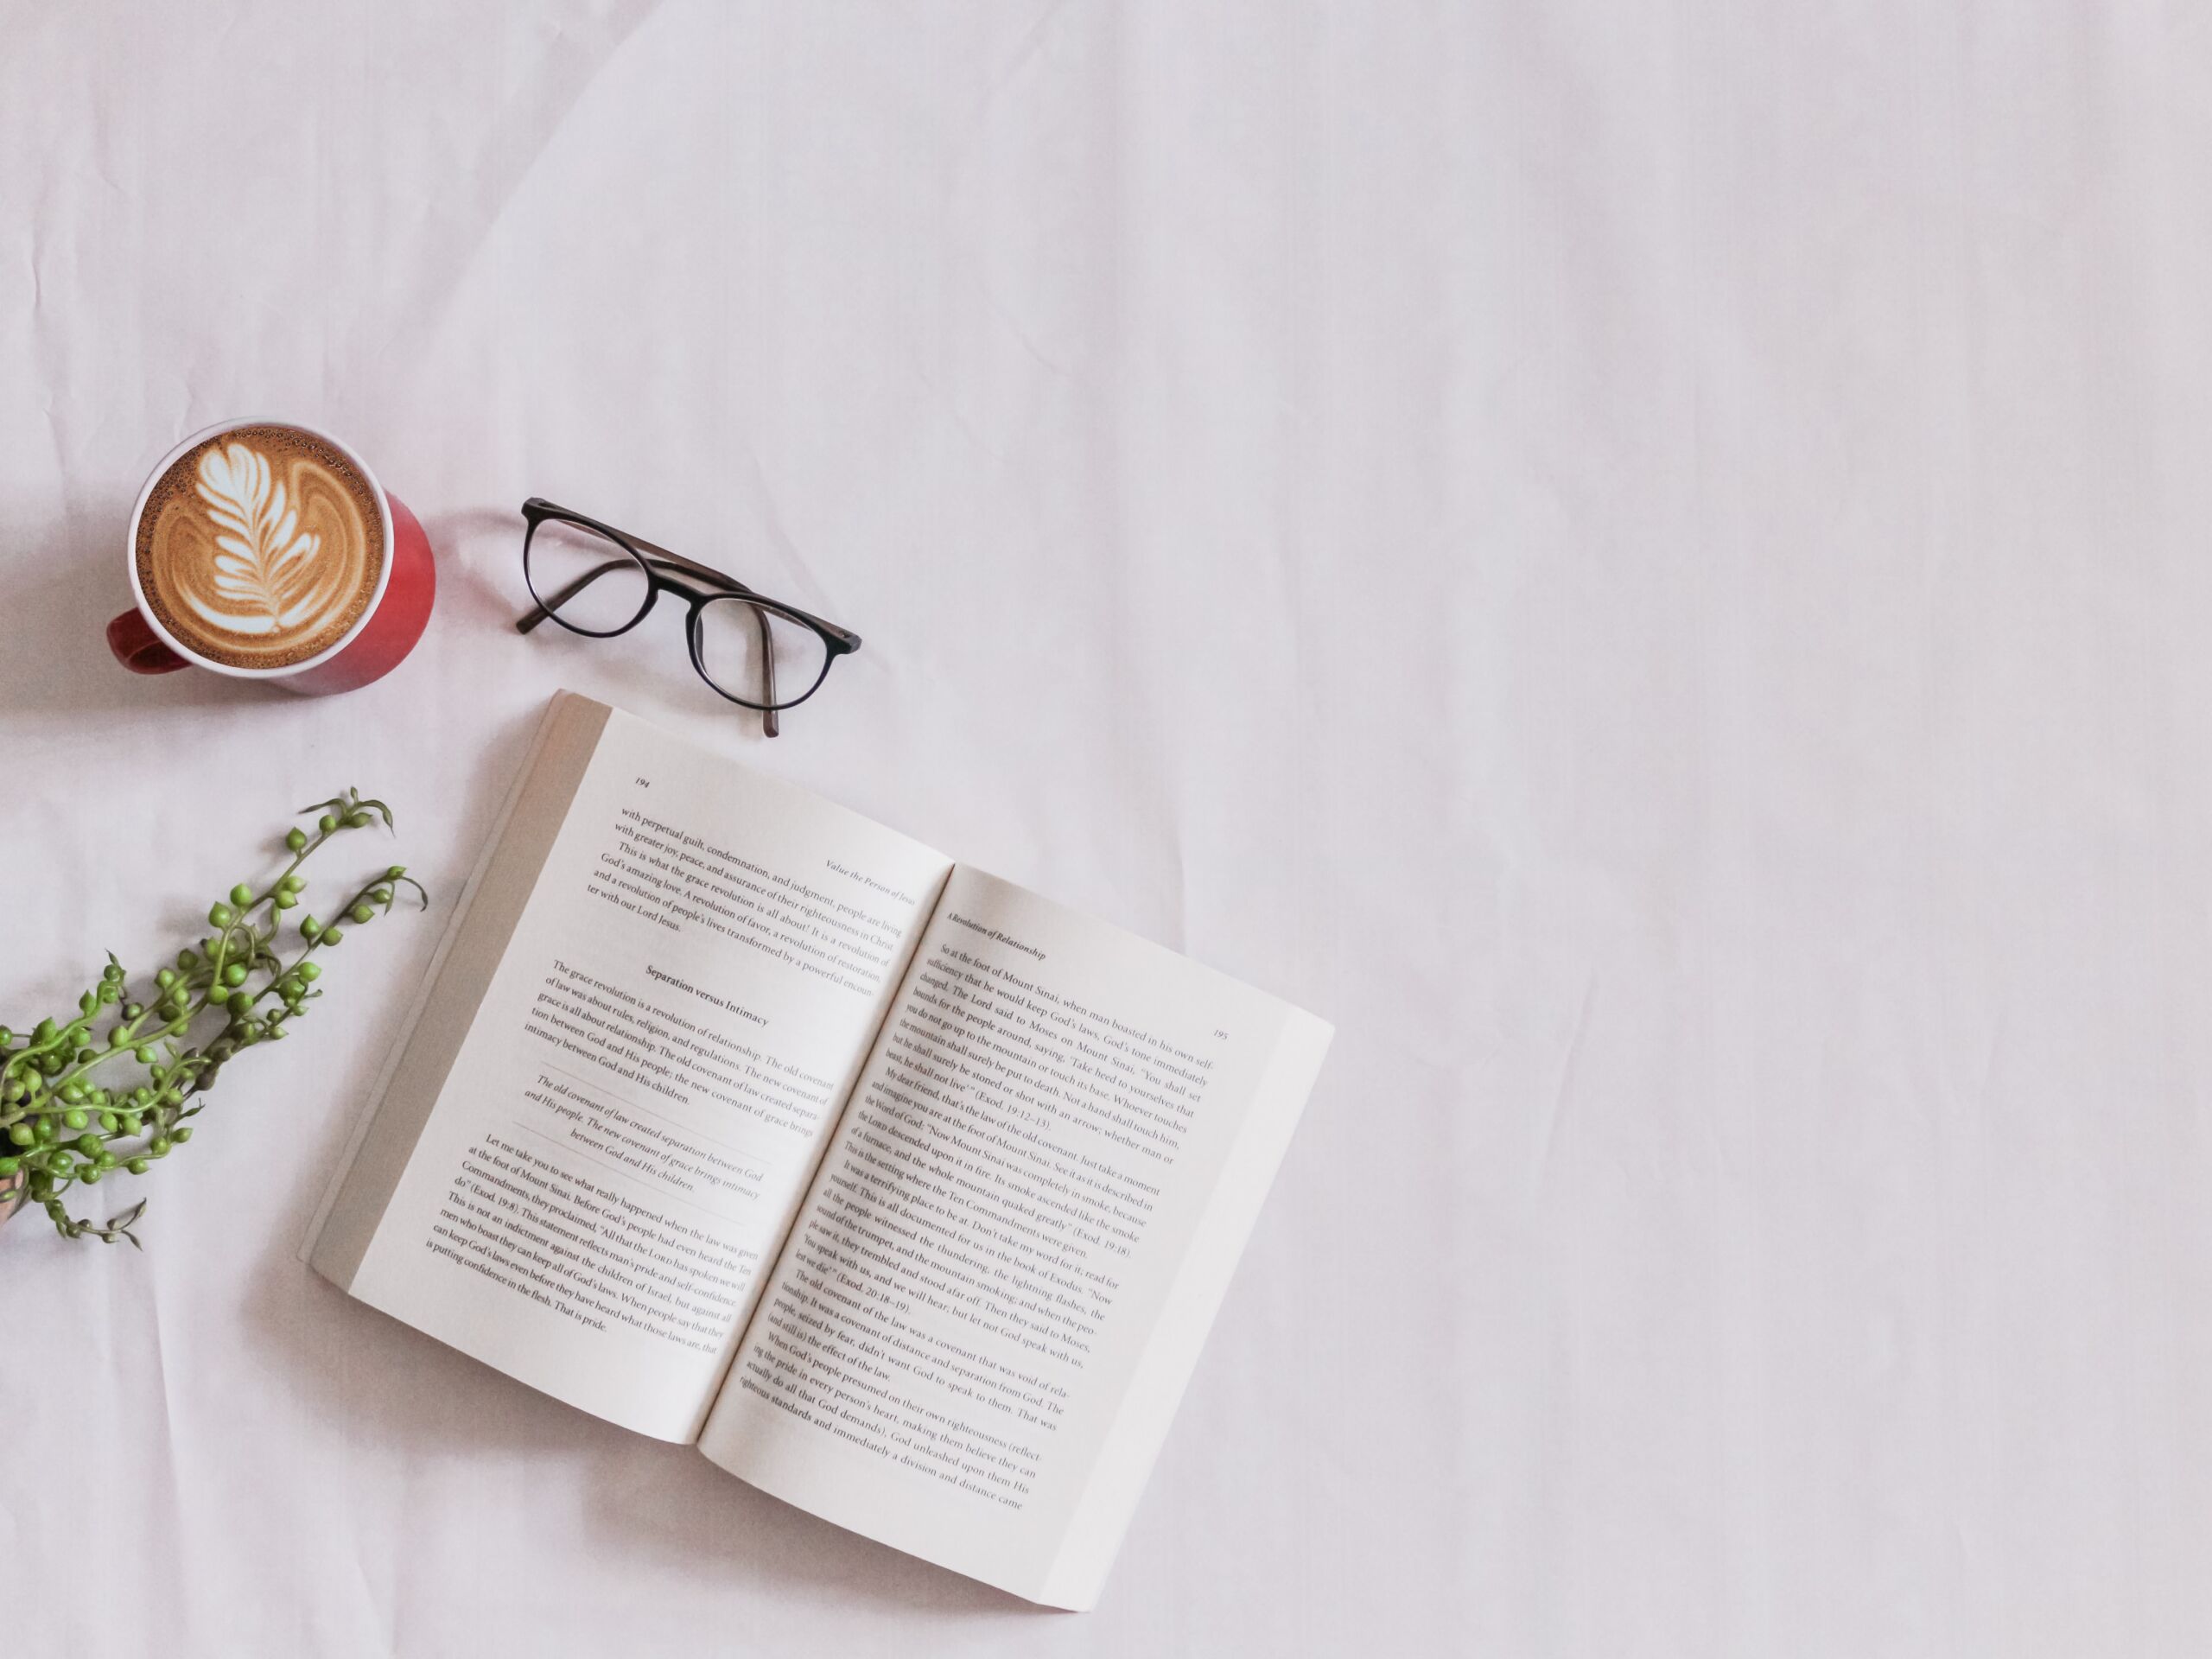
x,y
338,1255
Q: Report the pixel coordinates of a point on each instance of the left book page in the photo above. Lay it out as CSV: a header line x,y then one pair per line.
x,y
625,1064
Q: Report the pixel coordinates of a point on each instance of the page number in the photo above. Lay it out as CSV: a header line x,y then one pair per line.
x,y
645,783
1221,1036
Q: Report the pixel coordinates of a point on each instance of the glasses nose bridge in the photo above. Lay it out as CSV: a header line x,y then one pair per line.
x,y
690,593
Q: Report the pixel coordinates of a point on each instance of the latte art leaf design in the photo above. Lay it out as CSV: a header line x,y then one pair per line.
x,y
265,565
260,549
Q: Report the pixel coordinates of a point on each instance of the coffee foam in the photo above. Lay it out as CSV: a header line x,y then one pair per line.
x,y
260,547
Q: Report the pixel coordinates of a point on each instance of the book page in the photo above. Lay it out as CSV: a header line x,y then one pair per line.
x,y
653,1057
988,1308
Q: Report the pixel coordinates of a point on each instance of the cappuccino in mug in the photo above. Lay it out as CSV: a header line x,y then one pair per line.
x,y
260,547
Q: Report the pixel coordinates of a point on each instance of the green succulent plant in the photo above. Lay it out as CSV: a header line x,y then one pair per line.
x,y
110,1091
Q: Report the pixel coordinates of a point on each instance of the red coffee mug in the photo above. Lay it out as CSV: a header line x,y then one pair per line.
x,y
398,612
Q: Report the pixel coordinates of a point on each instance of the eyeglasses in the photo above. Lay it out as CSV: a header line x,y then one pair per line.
x,y
599,582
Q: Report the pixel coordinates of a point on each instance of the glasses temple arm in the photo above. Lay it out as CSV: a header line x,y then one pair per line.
x,y
693,565
662,556
768,722
523,624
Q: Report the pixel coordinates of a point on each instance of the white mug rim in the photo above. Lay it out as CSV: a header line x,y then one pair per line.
x,y
376,595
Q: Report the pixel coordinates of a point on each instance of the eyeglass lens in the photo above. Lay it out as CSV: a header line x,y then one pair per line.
x,y
757,656
586,581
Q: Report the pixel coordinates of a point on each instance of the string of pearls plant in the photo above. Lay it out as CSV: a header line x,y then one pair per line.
x,y
68,1114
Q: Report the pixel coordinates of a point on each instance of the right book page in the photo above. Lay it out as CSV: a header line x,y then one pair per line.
x,y
987,1310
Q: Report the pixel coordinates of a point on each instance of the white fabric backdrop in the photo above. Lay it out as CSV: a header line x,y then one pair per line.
x,y
1648,562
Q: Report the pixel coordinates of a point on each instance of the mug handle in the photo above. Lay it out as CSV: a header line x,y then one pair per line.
x,y
137,648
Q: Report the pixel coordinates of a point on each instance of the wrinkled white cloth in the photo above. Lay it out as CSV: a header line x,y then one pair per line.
x,y
1649,564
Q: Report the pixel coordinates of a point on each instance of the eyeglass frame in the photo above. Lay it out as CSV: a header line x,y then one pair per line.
x,y
837,641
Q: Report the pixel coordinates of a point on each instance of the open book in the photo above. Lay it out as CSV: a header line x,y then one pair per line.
x,y
738,1120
